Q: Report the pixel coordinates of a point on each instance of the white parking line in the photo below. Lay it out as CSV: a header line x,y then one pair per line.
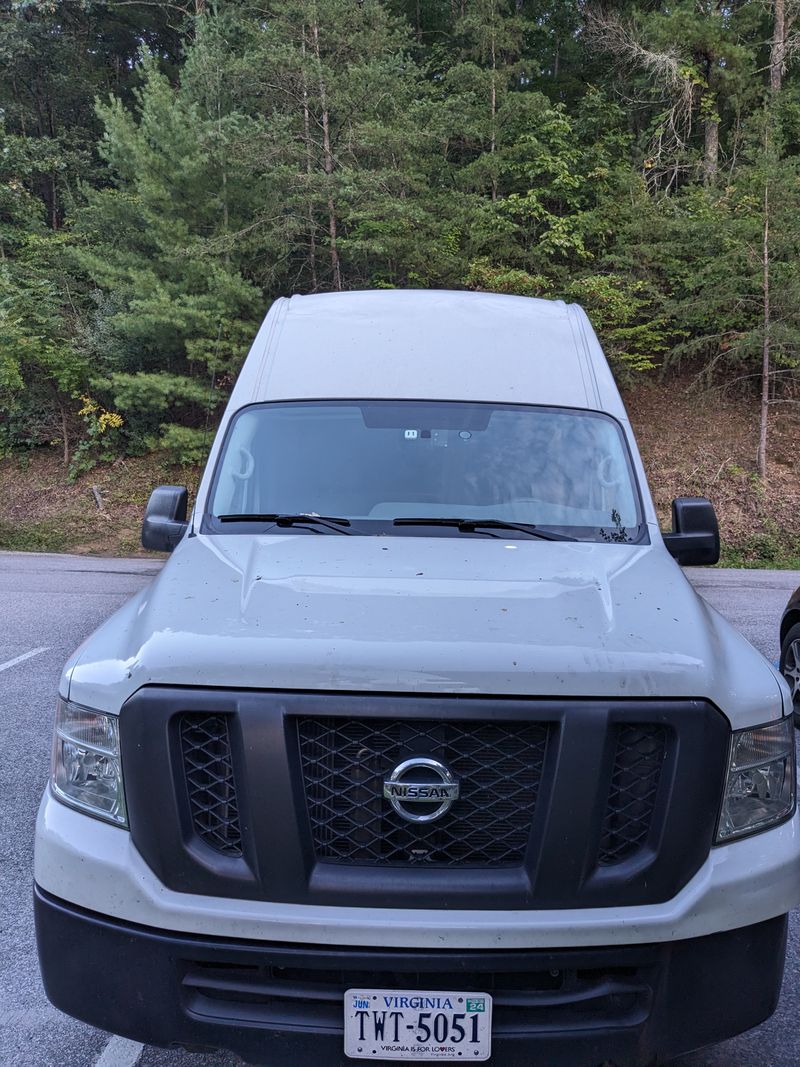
x,y
22,658
120,1052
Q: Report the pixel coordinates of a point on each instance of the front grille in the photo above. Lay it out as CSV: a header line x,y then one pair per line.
x,y
524,1001
345,762
640,752
278,796
208,770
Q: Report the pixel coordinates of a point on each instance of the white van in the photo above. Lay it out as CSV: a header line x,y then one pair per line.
x,y
421,747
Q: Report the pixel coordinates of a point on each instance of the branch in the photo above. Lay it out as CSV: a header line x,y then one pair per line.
x,y
669,75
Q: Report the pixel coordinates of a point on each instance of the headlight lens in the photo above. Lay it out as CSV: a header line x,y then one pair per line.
x,y
87,772
761,780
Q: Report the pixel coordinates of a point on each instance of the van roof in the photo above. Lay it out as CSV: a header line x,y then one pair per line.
x,y
428,344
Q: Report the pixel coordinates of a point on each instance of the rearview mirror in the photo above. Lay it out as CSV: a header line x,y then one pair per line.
x,y
694,541
165,518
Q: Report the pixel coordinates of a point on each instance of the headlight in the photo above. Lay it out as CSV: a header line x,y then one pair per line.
x,y
760,788
87,773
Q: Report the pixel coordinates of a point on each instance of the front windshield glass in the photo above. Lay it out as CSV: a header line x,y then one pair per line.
x,y
374,462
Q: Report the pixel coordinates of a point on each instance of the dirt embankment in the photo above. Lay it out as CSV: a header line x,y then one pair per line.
x,y
705,445
691,445
100,513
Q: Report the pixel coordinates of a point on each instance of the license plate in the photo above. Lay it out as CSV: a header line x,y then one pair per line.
x,y
413,1024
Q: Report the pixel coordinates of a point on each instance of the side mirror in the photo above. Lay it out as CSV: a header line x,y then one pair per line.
x,y
694,541
165,518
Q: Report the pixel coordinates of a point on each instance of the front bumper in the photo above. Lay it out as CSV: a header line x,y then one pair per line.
x,y
283,1004
96,866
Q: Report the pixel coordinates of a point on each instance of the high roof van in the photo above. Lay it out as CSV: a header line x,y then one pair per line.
x,y
421,747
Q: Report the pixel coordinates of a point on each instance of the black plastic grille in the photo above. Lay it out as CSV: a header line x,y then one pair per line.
x,y
638,762
208,768
345,762
524,1001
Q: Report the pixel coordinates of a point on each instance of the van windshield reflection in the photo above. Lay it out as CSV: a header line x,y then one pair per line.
x,y
414,468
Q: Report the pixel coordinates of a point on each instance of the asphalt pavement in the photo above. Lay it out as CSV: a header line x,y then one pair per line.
x,y
48,605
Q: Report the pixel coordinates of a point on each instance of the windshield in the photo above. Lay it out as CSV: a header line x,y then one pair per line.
x,y
374,462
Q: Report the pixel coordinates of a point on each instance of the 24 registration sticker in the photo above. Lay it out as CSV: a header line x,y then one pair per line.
x,y
413,1024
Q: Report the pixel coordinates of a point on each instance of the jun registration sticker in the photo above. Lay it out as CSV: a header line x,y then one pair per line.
x,y
413,1024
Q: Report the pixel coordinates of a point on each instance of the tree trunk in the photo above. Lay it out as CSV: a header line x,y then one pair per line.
x,y
54,209
777,58
765,355
777,48
312,226
64,432
20,108
332,232
711,151
226,216
224,194
710,96
493,144
336,270
53,198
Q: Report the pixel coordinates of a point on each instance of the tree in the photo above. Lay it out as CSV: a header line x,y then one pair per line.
x,y
55,57
175,310
248,148
341,123
697,61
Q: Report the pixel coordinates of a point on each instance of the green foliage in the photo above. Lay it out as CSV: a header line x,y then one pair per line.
x,y
31,537
41,361
157,393
500,279
769,548
185,445
182,312
166,172
635,333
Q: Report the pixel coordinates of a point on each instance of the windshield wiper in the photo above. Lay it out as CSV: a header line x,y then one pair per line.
x,y
471,525
330,522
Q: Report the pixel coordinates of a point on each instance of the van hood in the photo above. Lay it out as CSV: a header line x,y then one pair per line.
x,y
424,614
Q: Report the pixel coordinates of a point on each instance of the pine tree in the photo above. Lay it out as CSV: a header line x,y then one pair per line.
x,y
175,310
343,129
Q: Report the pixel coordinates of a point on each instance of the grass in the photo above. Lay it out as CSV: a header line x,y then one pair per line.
x,y
33,537
761,552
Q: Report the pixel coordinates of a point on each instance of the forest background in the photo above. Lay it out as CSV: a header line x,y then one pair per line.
x,y
168,169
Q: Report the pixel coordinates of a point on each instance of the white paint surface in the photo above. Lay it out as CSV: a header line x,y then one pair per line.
x,y
120,1052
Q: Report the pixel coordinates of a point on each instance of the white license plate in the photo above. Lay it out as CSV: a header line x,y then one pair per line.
x,y
413,1024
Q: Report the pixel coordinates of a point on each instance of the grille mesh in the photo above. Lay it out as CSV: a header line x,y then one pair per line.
x,y
638,761
345,762
209,778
